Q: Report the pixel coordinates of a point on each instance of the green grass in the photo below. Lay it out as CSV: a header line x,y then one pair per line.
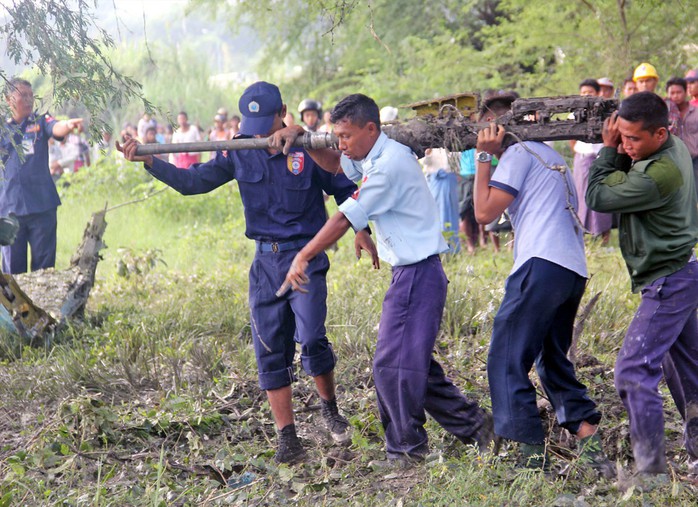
x,y
153,399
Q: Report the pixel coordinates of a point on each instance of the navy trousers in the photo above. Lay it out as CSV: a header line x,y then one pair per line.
x,y
534,325
408,378
277,323
37,231
661,339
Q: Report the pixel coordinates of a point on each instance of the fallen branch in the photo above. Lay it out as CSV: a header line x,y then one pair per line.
x,y
579,326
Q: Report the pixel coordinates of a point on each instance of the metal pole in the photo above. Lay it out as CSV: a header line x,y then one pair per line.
x,y
309,140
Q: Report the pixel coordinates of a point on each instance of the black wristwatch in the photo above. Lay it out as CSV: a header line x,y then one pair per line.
x,y
483,157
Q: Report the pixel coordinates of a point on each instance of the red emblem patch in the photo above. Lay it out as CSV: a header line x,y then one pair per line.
x,y
295,162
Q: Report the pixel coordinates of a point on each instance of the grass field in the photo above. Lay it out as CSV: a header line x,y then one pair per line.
x,y
153,399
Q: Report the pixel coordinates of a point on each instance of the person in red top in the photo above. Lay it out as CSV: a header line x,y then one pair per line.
x,y
692,86
186,133
687,124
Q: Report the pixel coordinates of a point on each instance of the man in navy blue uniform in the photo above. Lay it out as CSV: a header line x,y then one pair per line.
x,y
284,209
26,187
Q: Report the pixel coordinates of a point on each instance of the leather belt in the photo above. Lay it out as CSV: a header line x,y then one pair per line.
x,y
281,246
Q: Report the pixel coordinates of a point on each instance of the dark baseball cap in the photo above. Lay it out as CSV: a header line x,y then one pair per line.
x,y
258,105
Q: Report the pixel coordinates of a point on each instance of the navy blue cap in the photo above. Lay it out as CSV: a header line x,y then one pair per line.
x,y
258,105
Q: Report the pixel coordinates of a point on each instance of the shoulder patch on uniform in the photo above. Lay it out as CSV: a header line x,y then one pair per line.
x,y
615,178
295,162
665,175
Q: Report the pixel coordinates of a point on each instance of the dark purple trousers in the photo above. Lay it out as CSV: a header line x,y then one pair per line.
x,y
663,333
408,378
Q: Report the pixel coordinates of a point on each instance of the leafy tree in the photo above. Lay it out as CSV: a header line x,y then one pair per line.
x,y
410,50
547,48
63,42
397,52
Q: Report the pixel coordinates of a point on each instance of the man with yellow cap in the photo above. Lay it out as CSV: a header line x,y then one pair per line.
x,y
646,79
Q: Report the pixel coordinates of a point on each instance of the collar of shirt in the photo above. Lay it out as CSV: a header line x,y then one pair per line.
x,y
374,153
32,118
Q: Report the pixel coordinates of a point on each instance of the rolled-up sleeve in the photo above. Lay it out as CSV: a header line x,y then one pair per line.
x,y
375,197
354,213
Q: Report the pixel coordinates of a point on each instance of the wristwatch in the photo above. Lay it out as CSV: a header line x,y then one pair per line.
x,y
483,157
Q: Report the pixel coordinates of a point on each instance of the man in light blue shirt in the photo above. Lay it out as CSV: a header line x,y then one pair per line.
x,y
535,320
394,200
394,195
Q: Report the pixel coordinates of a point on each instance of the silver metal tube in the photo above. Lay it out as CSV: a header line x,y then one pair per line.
x,y
309,140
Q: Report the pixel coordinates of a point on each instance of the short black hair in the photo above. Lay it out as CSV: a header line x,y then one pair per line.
x,y
647,107
497,104
358,108
676,81
184,113
591,82
13,83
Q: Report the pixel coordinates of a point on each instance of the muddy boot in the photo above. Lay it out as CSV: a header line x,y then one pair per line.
x,y
336,424
534,457
591,457
289,450
644,482
485,439
396,464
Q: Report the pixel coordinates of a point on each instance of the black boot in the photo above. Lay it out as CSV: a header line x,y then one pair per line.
x,y
289,450
336,424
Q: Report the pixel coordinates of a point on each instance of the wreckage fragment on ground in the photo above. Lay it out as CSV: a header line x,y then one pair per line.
x,y
34,305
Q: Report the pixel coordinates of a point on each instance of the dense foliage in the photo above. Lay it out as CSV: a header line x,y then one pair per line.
x,y
410,50
69,50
